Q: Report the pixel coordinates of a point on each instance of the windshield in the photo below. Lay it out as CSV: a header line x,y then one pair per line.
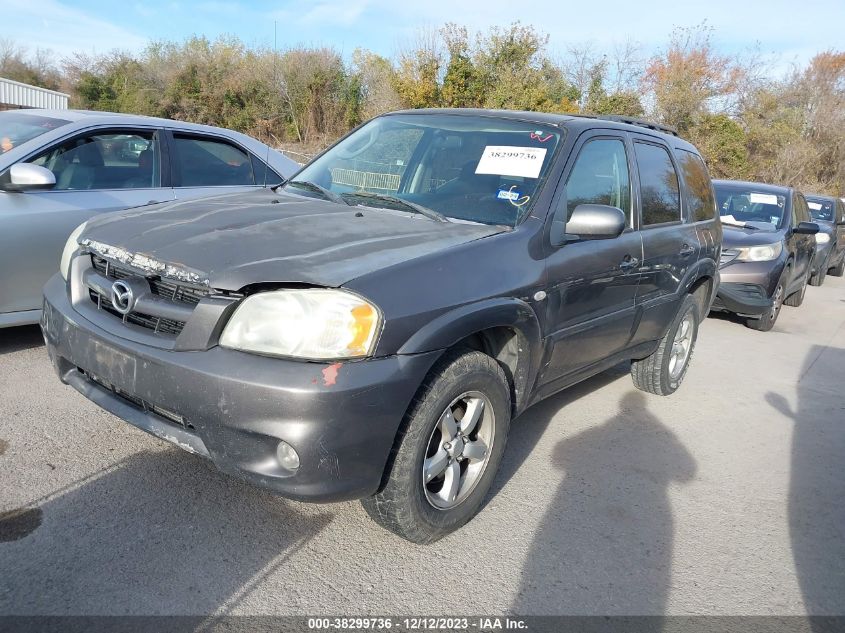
x,y
821,209
744,206
472,168
17,128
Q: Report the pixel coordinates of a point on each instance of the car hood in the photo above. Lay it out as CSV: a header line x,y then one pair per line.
x,y
234,240
738,237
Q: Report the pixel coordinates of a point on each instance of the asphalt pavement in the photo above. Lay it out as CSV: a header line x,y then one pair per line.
x,y
726,498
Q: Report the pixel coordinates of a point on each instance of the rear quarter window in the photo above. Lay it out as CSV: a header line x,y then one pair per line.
x,y
699,189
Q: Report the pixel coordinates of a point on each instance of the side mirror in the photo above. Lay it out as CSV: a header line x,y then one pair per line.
x,y
27,177
806,228
595,222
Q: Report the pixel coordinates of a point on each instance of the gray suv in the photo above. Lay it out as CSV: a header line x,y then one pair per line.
x,y
370,328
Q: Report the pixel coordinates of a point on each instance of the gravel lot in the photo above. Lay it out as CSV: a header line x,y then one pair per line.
x,y
726,498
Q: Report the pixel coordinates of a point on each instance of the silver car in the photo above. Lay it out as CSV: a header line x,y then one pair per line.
x,y
60,167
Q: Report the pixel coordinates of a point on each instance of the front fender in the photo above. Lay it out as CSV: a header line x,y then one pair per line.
x,y
450,328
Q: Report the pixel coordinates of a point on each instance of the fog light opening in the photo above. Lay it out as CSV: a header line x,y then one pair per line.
x,y
287,456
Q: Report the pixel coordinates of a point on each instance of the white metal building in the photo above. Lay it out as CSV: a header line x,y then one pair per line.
x,y
14,94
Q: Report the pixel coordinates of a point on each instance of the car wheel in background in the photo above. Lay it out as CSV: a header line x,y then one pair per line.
x,y
449,451
839,270
767,321
663,371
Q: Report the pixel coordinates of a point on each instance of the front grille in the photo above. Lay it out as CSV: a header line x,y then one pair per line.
x,y
164,288
140,403
172,290
158,325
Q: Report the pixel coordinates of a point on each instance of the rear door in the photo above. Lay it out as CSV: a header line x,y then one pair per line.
x,y
98,171
670,240
206,165
592,283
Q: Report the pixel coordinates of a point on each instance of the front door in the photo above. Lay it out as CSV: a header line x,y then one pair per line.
x,y
804,245
592,283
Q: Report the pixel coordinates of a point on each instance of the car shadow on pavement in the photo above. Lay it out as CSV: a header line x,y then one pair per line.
x,y
157,533
528,428
817,484
604,545
14,339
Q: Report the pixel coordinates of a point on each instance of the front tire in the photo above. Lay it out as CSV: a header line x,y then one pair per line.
x,y
767,321
447,455
839,269
797,298
664,370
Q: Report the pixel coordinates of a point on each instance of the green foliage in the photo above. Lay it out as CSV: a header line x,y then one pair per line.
x,y
725,144
746,125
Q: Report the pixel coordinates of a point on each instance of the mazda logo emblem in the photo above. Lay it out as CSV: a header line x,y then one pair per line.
x,y
121,297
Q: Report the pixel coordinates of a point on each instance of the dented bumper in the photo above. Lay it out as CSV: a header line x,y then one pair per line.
x,y
234,407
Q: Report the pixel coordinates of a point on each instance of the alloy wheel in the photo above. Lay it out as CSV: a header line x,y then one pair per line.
x,y
458,450
681,346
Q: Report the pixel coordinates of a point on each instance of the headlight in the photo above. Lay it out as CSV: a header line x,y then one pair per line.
x,y
822,238
71,247
314,323
764,253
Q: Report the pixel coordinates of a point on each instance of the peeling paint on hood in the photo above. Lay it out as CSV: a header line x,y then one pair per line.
x,y
231,241
145,263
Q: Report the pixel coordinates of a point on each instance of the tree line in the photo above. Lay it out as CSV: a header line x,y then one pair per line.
x,y
748,124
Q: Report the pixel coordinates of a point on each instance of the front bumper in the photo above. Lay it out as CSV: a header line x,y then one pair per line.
x,y
743,299
746,288
234,407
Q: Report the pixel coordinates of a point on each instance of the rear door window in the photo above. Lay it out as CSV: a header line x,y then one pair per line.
x,y
201,161
660,195
699,190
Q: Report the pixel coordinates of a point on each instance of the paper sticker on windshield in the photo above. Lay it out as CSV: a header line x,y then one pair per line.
x,y
763,198
505,160
815,206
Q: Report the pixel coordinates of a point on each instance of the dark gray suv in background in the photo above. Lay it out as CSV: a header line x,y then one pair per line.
x,y
369,329
768,252
829,213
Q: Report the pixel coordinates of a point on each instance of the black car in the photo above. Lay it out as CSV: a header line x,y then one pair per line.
x,y
369,329
829,213
768,250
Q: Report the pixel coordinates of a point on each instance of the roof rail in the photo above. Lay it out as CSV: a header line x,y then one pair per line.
x,y
640,122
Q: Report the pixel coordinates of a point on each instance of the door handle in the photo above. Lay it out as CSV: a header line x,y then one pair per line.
x,y
686,250
629,263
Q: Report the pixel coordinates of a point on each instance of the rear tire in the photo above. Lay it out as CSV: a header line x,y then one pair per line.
x,y
420,500
660,373
838,270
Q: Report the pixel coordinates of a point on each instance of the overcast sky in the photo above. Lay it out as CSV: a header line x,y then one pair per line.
x,y
787,31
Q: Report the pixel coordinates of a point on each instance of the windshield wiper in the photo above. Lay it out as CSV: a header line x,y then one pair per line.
x,y
742,226
413,206
313,186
